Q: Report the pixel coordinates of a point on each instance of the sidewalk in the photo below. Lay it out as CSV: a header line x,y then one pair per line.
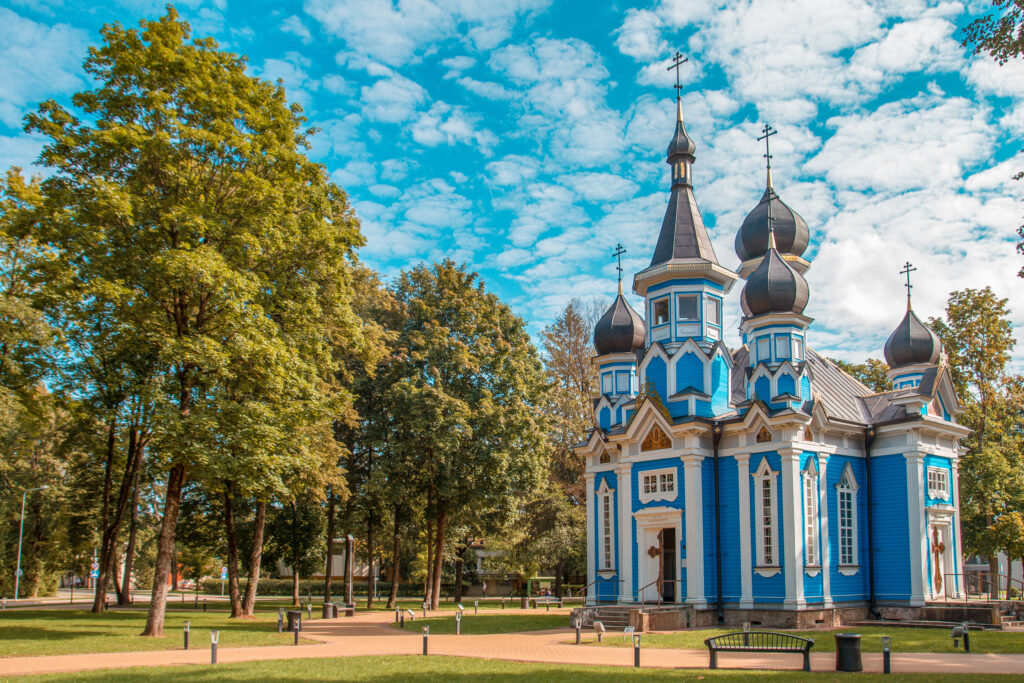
x,y
371,634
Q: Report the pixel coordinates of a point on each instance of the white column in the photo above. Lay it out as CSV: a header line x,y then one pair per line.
x,y
746,564
826,551
918,538
793,547
694,531
958,556
626,543
588,488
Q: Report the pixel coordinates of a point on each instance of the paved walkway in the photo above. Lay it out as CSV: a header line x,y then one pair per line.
x,y
371,634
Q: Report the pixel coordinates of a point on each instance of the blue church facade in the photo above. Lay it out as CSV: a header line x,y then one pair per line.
x,y
762,480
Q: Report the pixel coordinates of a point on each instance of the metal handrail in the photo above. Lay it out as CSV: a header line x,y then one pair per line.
x,y
637,596
586,589
979,577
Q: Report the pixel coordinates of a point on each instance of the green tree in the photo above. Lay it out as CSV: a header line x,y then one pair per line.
x,y
181,197
872,373
467,403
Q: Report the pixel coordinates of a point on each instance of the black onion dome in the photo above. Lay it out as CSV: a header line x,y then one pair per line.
x,y
791,234
912,342
681,142
620,329
774,287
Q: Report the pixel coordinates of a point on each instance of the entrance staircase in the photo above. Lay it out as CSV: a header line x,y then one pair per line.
x,y
614,617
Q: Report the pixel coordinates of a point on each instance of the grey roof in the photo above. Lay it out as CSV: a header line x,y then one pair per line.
x,y
683,235
912,342
775,287
620,329
791,233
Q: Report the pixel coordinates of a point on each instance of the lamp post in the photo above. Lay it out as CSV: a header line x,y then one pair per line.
x,y
21,531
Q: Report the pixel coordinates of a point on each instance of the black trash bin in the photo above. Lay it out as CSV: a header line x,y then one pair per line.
x,y
294,620
848,652
334,611
329,611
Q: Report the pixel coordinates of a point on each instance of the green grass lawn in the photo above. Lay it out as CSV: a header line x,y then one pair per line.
x,y
903,639
480,624
415,668
58,632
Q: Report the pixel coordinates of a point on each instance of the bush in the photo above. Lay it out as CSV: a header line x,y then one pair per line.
x,y
283,587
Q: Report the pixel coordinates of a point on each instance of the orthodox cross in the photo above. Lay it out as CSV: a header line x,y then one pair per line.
x,y
938,547
768,132
677,61
907,270
619,251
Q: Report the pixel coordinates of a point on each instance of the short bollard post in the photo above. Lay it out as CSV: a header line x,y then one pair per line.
x,y
503,603
396,614
204,604
476,606
214,637
636,650
412,615
886,652
187,624
424,610
296,632
309,610
402,622
967,637
599,630
5,604
746,633
280,621
547,606
458,623
426,632
579,628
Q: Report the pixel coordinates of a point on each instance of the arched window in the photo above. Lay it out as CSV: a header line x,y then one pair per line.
x,y
655,440
846,493
605,457
607,529
766,515
811,515
763,435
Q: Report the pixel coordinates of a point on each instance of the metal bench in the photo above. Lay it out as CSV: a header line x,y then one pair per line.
x,y
759,641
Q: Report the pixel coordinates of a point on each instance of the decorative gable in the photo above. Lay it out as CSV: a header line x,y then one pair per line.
x,y
655,440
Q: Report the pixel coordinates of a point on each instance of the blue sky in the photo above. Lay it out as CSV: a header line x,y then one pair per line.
x,y
527,137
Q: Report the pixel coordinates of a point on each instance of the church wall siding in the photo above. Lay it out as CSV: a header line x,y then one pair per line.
x,y
855,587
604,418
731,586
657,374
689,372
763,390
710,564
719,386
771,589
805,388
891,526
786,384
813,585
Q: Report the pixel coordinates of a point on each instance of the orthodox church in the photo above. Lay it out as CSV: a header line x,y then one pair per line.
x,y
762,483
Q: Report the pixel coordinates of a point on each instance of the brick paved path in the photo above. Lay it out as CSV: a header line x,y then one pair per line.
x,y
370,634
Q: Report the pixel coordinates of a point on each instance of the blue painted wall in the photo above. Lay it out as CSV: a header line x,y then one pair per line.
x,y
689,372
855,587
719,386
891,522
657,374
767,589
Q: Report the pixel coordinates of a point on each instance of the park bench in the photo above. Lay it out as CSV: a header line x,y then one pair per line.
x,y
759,641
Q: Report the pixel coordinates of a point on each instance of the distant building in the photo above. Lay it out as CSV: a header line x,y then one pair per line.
x,y
762,478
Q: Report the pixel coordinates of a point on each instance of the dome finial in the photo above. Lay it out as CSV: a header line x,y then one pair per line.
x,y
907,270
619,251
768,132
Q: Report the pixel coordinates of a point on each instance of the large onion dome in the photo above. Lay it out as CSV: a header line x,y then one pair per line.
x,y
775,287
620,329
791,234
912,342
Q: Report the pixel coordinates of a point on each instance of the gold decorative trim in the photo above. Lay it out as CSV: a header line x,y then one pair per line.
x,y
649,393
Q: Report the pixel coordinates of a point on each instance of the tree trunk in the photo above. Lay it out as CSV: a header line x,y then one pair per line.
x,y
99,603
124,598
458,579
559,568
396,551
428,583
371,577
254,559
165,552
113,573
993,567
329,571
229,529
442,520
295,554
113,517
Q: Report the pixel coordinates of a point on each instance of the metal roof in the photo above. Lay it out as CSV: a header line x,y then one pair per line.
x,y
683,235
912,342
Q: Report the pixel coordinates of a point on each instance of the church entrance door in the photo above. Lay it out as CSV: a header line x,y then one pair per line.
x,y
668,564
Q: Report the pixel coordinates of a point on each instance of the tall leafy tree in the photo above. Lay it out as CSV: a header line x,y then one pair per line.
x,y
872,373
182,198
467,402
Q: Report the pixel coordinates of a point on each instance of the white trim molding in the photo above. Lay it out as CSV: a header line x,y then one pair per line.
x,y
626,545
588,482
794,551
665,486
918,532
938,482
846,493
826,548
767,554
746,566
694,497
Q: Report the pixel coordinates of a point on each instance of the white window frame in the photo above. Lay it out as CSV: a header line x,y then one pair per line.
x,y
661,490
696,308
811,517
713,304
765,559
847,486
606,517
668,311
766,343
783,347
937,492
622,382
607,382
798,348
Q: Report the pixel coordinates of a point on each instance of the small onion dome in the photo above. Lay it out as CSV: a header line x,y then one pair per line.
x,y
620,329
911,343
681,142
774,287
791,234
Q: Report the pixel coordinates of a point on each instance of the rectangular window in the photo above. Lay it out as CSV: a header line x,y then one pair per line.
x,y
810,520
714,311
782,346
622,382
938,483
668,482
606,383
686,308
764,349
845,526
798,348
650,483
661,312
607,529
766,520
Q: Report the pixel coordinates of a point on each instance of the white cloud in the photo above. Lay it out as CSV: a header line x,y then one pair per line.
x,y
392,99
512,170
989,78
444,124
456,65
354,173
600,187
292,72
336,84
640,35
486,89
39,61
294,26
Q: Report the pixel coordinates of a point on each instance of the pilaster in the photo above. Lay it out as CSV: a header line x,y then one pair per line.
x,y
746,563
958,556
694,531
826,550
626,543
588,487
918,532
793,547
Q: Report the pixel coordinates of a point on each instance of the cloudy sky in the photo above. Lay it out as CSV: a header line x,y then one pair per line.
x,y
527,137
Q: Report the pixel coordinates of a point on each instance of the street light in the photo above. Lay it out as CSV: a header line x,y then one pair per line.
x,y
21,531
